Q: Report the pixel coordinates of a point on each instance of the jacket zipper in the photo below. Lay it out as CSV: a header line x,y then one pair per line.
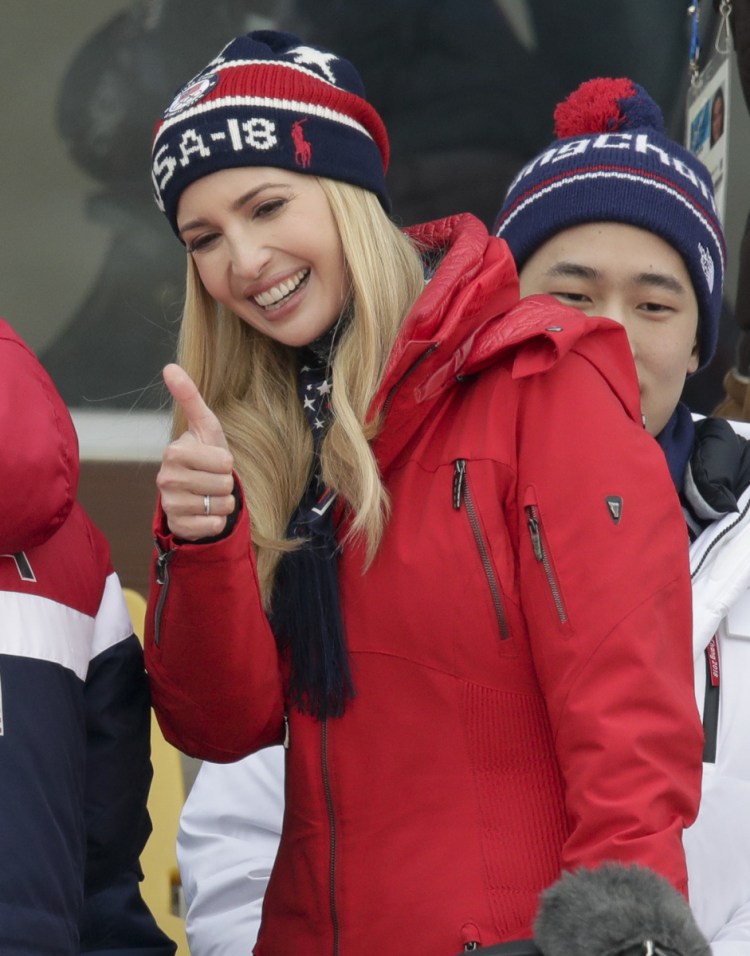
x,y
540,553
332,828
471,936
162,579
462,495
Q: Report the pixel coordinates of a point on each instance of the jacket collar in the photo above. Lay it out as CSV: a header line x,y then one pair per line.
x,y
468,317
720,571
475,282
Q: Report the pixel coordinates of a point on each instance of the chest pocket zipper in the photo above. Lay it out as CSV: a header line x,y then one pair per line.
x,y
462,496
540,553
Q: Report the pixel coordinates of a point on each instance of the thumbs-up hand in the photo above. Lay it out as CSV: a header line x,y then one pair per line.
x,y
195,479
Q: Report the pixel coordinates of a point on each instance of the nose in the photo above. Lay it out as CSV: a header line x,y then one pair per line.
x,y
620,315
248,257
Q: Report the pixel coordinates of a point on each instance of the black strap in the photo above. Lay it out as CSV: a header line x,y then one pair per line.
x,y
710,713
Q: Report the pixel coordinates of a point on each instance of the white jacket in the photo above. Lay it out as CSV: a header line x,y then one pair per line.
x,y
231,821
718,843
229,831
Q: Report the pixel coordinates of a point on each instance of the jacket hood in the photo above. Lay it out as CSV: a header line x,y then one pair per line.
x,y
40,465
468,317
475,281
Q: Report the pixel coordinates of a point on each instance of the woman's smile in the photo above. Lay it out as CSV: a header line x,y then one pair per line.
x,y
272,299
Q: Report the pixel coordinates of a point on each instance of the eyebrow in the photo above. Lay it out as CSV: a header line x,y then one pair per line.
x,y
575,270
236,204
572,270
661,279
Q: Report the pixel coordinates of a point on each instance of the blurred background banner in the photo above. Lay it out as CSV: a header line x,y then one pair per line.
x,y
90,274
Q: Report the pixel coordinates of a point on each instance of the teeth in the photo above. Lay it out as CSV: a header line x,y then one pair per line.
x,y
281,291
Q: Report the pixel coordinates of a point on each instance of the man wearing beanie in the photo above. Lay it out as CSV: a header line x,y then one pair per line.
x,y
615,219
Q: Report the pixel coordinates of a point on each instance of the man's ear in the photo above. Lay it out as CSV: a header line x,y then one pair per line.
x,y
694,360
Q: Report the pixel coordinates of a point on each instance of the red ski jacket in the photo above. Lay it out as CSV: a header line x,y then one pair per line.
x,y
520,646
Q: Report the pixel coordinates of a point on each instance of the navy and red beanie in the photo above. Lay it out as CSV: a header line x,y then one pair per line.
x,y
613,162
269,100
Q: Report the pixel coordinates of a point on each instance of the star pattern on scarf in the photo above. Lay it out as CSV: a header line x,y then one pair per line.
x,y
315,391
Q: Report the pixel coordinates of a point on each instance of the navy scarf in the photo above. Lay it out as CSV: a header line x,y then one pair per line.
x,y
306,613
676,440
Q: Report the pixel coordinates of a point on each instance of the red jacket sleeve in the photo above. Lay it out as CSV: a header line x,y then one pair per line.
x,y
205,625
606,590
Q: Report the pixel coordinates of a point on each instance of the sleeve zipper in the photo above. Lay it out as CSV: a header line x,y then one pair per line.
x,y
162,579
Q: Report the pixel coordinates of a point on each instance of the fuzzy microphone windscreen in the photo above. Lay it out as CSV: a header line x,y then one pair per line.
x,y
616,910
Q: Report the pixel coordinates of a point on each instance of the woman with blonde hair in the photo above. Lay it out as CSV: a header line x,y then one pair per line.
x,y
238,368
406,528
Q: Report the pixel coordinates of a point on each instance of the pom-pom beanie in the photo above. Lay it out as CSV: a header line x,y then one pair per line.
x,y
613,162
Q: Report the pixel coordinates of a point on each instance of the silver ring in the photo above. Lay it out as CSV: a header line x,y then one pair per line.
x,y
207,504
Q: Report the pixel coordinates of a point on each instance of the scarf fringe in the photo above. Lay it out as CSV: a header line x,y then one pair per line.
x,y
308,627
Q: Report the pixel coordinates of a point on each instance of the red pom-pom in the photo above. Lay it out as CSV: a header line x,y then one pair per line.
x,y
593,108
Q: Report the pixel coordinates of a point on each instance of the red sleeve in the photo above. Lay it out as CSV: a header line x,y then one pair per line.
x,y
210,653
606,591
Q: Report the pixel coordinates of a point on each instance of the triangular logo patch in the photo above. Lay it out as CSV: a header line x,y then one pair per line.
x,y
614,506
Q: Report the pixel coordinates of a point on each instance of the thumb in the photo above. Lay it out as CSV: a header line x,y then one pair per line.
x,y
201,421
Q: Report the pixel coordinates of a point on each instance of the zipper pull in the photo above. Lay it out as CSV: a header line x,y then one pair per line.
x,y
536,536
471,937
162,562
286,732
459,479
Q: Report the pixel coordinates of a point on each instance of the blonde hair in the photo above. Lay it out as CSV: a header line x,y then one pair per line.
x,y
250,382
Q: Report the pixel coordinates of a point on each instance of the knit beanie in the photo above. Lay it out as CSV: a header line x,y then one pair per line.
x,y
269,100
613,162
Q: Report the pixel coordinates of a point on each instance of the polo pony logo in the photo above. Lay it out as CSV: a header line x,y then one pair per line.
x,y
302,149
